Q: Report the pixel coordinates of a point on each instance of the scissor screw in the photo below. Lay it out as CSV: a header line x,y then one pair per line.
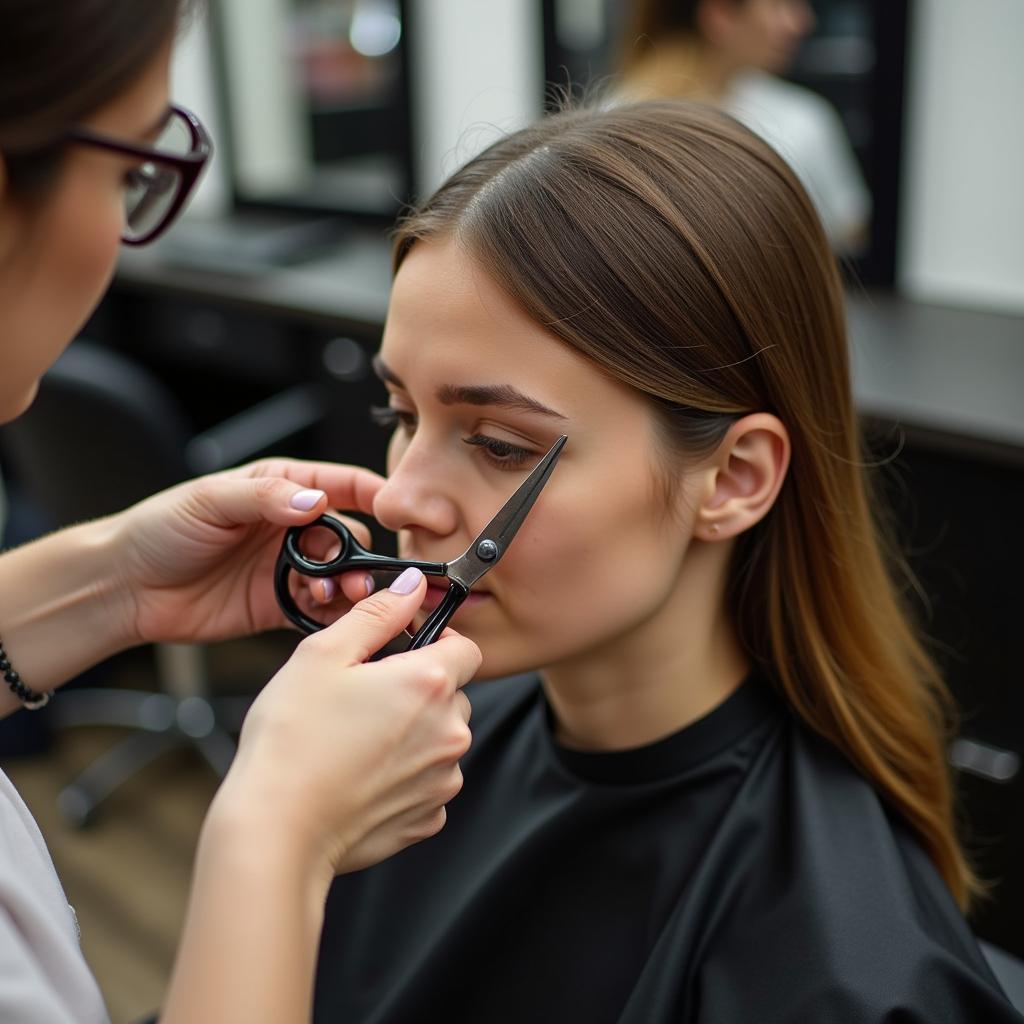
x,y
487,550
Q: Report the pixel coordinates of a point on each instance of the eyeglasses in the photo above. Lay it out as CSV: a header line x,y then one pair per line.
x,y
156,190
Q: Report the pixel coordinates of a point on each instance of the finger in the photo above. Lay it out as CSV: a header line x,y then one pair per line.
x,y
356,585
454,659
349,588
227,500
376,619
457,653
463,707
346,487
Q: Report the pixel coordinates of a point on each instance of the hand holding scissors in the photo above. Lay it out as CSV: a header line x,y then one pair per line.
x,y
462,573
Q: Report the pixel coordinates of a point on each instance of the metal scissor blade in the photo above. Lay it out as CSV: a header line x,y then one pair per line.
x,y
496,536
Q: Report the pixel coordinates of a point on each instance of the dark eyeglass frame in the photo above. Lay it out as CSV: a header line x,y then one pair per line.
x,y
187,165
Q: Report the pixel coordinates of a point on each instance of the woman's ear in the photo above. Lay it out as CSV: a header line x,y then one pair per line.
x,y
744,477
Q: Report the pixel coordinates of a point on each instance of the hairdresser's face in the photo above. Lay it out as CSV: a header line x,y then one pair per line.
x,y
481,392
57,252
761,34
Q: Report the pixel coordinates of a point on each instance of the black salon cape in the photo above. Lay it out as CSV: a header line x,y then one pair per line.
x,y
736,872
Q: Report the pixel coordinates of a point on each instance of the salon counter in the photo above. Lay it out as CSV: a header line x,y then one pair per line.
x,y
952,378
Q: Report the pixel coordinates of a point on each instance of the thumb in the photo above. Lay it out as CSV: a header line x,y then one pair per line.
x,y
232,501
376,619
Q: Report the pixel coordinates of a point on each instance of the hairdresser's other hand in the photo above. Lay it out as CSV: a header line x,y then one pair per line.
x,y
196,561
346,761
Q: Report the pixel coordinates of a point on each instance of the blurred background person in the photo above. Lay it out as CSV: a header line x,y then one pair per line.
x,y
731,53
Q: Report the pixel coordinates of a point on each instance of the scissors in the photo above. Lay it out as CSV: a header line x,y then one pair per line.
x,y
462,573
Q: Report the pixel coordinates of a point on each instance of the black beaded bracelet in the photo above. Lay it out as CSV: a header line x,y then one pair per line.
x,y
32,700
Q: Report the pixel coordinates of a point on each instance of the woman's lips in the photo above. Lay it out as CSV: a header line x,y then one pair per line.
x,y
436,594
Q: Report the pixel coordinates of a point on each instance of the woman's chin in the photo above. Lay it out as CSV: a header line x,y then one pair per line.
x,y
477,620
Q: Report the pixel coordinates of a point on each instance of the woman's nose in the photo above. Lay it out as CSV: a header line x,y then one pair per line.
x,y
416,495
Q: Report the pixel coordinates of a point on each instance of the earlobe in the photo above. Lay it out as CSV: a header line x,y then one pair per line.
x,y
746,475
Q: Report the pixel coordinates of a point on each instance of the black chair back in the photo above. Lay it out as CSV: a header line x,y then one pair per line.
x,y
103,433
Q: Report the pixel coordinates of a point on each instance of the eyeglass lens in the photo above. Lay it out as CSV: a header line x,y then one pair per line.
x,y
151,188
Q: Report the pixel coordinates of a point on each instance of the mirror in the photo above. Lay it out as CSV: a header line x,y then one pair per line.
x,y
854,57
315,94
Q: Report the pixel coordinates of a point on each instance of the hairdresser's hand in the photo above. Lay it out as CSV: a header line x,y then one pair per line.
x,y
196,562
347,762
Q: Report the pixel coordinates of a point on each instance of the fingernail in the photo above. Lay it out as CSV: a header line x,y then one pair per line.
x,y
407,582
370,585
305,500
329,589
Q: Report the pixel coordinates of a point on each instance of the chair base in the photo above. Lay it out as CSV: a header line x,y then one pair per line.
x,y
161,722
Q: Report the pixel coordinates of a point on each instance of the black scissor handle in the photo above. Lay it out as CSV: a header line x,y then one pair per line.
x,y
351,555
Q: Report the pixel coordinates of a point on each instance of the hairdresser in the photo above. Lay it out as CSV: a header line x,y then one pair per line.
x,y
731,54
341,762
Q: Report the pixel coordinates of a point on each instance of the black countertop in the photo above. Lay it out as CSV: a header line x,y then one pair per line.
x,y
951,377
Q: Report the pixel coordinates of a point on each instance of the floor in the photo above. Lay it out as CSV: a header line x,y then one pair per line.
x,y
127,873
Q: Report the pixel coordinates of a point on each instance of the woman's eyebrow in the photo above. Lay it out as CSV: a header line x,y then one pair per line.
x,y
503,395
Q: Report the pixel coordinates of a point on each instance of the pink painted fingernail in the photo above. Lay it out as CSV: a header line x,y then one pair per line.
x,y
370,585
407,582
305,500
330,589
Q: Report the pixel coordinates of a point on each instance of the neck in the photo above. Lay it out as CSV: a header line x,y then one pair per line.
x,y
681,66
670,669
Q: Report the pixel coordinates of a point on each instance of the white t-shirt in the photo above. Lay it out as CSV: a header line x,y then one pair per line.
x,y
807,132
44,978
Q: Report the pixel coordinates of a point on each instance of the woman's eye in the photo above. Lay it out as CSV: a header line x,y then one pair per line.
x,y
500,453
140,176
134,178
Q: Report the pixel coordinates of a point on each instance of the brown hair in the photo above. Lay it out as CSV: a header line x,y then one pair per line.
x,y
61,61
679,253
646,22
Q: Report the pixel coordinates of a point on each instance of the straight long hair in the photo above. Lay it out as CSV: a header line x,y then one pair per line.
x,y
679,253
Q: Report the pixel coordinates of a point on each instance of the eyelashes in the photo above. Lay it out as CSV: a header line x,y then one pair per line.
x,y
499,453
388,418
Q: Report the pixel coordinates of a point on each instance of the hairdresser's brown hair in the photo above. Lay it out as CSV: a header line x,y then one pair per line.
x,y
647,22
680,254
62,60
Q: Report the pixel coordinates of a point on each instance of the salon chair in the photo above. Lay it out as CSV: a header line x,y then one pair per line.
x,y
104,433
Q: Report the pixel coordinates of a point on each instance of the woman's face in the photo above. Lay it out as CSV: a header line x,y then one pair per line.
x,y
761,34
58,251
480,393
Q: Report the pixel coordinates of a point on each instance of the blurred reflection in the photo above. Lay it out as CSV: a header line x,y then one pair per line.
x,y
732,53
315,95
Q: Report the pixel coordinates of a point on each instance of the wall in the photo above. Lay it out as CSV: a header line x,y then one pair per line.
x,y
963,198
192,85
963,190
477,71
